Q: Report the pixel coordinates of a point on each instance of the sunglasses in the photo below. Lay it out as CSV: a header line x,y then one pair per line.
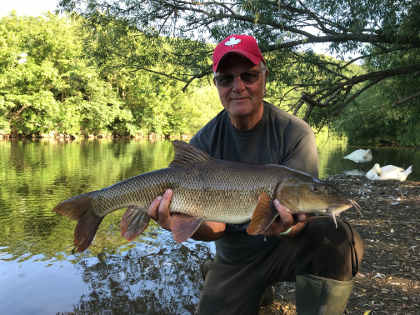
x,y
226,80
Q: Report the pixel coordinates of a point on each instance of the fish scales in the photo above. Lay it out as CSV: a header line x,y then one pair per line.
x,y
221,194
140,190
226,194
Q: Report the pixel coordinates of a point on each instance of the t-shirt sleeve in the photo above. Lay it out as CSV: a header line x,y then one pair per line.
x,y
198,141
302,153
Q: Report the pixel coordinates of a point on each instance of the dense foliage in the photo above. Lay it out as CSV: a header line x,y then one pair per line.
x,y
389,112
51,82
47,84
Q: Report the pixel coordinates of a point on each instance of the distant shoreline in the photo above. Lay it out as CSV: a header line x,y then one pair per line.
x,y
61,137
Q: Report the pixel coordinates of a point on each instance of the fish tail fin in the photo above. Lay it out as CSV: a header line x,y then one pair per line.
x,y
134,221
263,216
80,208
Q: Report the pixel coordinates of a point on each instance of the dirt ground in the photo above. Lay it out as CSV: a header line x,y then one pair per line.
x,y
388,281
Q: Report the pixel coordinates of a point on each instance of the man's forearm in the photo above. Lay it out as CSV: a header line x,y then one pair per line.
x,y
209,231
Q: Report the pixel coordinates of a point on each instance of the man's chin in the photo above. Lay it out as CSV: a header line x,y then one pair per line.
x,y
240,113
240,110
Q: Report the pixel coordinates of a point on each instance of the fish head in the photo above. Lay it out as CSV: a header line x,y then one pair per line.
x,y
311,195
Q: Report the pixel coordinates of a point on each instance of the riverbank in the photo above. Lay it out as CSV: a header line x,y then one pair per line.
x,y
388,281
62,137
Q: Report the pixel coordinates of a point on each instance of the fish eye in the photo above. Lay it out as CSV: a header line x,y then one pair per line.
x,y
318,188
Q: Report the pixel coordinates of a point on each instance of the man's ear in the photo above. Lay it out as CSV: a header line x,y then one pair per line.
x,y
265,80
266,73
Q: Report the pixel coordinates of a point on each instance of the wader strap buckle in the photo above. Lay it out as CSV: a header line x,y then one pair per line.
x,y
354,257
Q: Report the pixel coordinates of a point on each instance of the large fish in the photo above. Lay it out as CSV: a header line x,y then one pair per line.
x,y
204,189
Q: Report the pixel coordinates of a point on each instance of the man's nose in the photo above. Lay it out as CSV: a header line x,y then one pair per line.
x,y
238,84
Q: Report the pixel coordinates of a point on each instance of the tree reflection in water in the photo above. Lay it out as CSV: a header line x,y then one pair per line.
x,y
157,276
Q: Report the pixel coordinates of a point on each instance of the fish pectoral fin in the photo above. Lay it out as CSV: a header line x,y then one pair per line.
x,y
279,187
263,216
134,221
184,226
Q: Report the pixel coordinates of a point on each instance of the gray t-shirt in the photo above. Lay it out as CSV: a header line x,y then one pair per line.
x,y
279,138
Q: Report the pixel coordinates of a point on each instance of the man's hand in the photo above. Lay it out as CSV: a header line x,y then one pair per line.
x,y
159,211
286,222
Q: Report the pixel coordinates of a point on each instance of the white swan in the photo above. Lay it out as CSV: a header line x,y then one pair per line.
x,y
360,156
388,172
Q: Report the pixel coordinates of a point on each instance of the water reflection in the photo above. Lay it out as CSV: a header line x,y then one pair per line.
x,y
157,276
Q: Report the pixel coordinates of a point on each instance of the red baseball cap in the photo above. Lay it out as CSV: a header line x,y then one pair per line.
x,y
244,45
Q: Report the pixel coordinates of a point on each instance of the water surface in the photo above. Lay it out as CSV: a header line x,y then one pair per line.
x,y
39,274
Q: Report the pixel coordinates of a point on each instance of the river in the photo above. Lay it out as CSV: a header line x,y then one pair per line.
x,y
39,274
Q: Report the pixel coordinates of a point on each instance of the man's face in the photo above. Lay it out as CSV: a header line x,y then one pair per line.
x,y
242,96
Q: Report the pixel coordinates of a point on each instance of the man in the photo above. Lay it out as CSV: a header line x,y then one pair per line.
x,y
321,258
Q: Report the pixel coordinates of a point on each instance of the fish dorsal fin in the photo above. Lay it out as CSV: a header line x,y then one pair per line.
x,y
186,154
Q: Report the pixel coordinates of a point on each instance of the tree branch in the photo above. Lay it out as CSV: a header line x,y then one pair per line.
x,y
406,99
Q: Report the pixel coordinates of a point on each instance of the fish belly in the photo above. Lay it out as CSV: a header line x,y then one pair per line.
x,y
222,206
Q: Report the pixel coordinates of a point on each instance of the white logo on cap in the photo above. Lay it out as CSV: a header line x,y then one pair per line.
x,y
232,41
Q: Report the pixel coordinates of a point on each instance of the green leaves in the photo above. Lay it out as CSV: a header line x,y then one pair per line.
x,y
54,87
123,67
96,77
